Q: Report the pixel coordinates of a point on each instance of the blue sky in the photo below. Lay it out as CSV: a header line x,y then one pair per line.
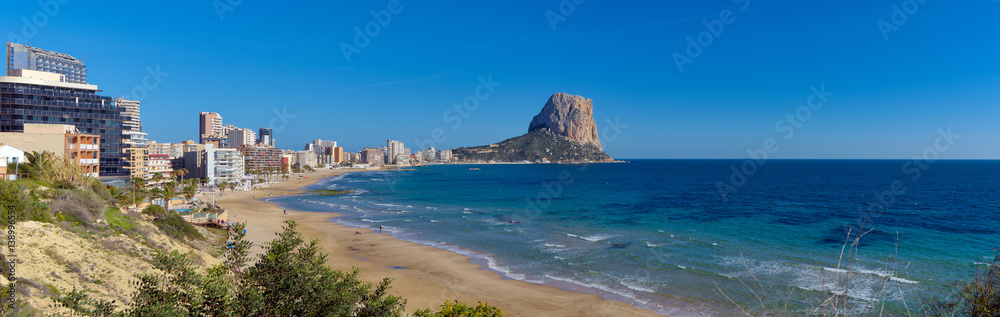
x,y
937,66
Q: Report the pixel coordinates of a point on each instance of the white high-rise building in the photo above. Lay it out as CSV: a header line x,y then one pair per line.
x,y
394,149
223,165
134,137
430,154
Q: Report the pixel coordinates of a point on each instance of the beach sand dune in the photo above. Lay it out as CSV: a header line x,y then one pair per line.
x,y
425,276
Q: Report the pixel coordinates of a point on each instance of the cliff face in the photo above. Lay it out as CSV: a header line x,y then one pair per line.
x,y
569,116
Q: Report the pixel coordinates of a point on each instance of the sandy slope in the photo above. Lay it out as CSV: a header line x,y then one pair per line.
x,y
50,258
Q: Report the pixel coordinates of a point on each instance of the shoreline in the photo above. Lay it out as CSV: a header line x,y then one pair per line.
x,y
426,276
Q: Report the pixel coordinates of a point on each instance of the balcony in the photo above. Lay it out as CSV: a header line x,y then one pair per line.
x,y
88,161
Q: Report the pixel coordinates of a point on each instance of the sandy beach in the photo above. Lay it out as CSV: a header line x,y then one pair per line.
x,y
429,275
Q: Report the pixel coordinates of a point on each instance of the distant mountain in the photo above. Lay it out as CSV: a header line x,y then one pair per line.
x,y
564,131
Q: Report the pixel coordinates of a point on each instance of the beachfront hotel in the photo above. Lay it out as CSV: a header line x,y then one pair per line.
x,y
261,158
70,69
37,97
222,165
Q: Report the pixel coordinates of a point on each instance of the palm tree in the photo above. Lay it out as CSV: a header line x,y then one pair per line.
x,y
119,197
138,189
189,191
222,186
157,178
37,163
179,173
167,192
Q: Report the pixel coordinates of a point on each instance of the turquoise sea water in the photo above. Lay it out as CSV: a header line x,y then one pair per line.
x,y
658,234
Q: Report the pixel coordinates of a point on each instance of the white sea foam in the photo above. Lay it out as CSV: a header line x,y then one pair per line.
x,y
865,286
638,286
902,280
596,237
599,286
650,244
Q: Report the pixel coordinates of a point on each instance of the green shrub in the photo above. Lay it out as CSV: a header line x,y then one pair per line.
x,y
457,309
172,223
155,211
24,206
978,297
101,191
82,204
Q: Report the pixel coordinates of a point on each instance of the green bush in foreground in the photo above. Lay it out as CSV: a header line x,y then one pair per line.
x,y
457,309
290,279
25,207
978,297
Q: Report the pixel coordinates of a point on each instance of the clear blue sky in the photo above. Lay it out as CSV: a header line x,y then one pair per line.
x,y
938,68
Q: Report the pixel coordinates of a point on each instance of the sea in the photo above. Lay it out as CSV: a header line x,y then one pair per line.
x,y
698,237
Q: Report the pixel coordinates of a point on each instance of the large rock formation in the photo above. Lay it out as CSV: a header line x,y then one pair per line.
x,y
563,132
569,116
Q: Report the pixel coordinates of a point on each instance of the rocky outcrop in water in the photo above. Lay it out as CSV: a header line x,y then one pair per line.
x,y
564,131
569,116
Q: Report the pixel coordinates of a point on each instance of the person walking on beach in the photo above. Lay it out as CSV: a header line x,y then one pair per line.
x,y
286,211
379,228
